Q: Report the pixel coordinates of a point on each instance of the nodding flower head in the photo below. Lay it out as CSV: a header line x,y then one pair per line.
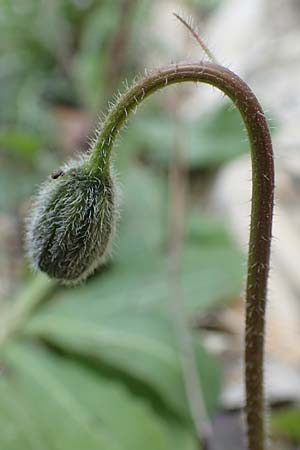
x,y
70,229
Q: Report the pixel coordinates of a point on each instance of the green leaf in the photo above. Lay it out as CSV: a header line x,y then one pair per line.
x,y
143,215
141,344
286,423
122,316
12,192
91,76
23,143
212,267
49,402
17,181
210,141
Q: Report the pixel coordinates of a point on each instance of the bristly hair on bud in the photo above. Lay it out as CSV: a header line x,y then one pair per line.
x,y
70,229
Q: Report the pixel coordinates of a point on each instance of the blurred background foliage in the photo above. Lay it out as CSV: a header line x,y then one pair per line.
x,y
98,366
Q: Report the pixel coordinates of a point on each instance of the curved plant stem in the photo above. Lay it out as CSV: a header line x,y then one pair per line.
x,y
261,213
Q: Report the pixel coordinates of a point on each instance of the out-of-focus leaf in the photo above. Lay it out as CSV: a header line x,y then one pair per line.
x,y
204,6
49,402
20,142
212,266
122,316
15,186
220,137
18,181
210,142
286,423
141,344
93,58
143,214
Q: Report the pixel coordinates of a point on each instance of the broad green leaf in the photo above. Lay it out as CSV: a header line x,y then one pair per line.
x,y
49,402
286,423
122,317
141,344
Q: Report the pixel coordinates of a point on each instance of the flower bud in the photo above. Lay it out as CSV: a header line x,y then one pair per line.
x,y
71,226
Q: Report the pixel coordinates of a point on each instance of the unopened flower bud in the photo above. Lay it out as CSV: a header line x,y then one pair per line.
x,y
70,228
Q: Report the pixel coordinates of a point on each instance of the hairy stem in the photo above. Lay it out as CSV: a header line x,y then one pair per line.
x,y
261,213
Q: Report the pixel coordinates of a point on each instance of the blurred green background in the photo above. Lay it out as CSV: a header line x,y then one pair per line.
x,y
99,366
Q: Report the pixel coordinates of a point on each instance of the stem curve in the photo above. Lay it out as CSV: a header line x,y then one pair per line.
x,y
261,210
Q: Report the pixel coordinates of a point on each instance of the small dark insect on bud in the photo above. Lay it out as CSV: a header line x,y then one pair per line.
x,y
56,174
70,229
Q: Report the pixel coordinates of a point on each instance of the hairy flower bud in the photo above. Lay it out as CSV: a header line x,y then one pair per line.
x,y
70,228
